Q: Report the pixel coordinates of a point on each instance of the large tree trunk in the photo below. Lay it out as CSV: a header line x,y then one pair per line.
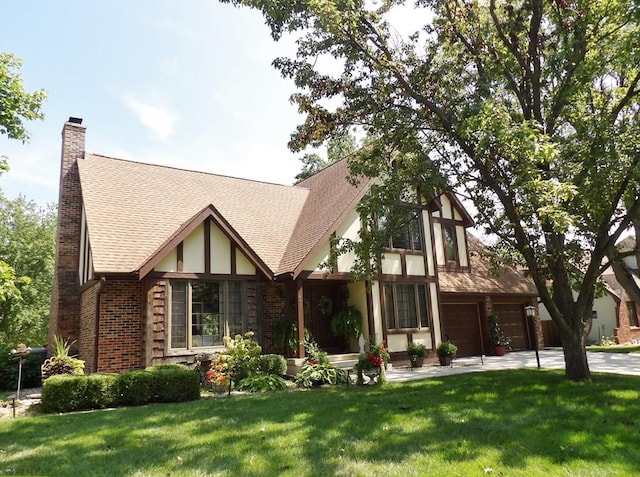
x,y
575,355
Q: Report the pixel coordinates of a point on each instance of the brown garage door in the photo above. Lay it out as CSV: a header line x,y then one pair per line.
x,y
513,324
461,324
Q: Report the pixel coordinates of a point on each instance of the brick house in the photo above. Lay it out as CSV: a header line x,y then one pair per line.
x,y
156,264
627,329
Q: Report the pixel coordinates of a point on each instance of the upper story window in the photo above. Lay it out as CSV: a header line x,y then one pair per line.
x,y
406,306
450,243
410,237
202,312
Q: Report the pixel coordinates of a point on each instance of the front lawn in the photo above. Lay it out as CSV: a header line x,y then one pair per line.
x,y
614,349
505,423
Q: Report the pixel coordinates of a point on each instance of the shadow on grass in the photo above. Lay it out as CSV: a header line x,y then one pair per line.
x,y
506,418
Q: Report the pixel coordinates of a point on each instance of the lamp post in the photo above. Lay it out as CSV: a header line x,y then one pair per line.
x,y
530,312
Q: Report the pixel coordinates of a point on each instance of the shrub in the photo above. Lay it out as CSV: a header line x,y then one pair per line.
x,y
262,382
242,355
165,383
317,370
272,364
31,376
174,383
67,393
62,362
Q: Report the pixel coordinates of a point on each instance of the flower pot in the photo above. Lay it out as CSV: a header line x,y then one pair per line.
x,y
417,362
445,360
500,350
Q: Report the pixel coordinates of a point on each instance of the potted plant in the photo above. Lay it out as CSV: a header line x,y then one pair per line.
x,y
417,353
347,323
499,341
446,351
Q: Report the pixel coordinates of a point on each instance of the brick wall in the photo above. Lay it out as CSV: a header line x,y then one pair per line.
x,y
121,335
65,304
625,333
275,307
88,303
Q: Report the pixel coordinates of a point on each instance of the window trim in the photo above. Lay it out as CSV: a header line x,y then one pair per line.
x,y
189,347
393,320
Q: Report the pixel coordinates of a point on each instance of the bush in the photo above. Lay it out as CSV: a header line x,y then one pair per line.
x,y
65,393
174,383
62,362
31,377
262,382
317,370
272,364
165,383
243,354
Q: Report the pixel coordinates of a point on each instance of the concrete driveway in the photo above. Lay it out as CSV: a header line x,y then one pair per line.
x,y
621,363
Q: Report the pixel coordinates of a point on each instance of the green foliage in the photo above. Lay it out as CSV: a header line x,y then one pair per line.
x,y
272,364
262,383
317,369
416,350
242,355
347,323
446,348
529,109
16,104
496,336
338,147
163,383
285,335
31,376
27,247
61,362
66,393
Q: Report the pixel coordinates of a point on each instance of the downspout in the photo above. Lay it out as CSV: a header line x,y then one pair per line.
x,y
97,324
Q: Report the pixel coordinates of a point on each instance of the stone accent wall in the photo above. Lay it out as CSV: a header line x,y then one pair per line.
x,y
65,305
87,340
121,335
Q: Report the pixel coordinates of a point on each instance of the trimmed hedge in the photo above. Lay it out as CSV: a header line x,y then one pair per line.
x,y
165,383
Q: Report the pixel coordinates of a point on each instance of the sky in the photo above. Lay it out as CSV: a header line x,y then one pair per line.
x,y
185,83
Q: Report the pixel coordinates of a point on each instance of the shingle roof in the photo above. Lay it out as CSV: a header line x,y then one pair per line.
x,y
481,279
132,208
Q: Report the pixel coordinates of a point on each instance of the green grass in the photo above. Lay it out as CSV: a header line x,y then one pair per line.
x,y
515,423
614,349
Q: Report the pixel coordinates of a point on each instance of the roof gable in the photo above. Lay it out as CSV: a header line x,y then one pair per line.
x,y
134,209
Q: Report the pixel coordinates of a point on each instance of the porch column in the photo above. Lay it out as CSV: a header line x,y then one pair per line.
x,y
300,308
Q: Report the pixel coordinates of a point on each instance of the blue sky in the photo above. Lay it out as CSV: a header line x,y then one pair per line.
x,y
184,83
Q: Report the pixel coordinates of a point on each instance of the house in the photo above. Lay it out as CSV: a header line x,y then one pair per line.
x,y
627,326
156,264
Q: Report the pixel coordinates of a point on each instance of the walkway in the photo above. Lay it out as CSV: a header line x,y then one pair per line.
x,y
621,363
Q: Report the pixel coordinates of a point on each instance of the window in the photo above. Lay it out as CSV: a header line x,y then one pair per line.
x,y
450,243
203,312
411,237
633,313
406,306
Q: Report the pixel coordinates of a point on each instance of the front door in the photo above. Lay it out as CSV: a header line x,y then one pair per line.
x,y
322,301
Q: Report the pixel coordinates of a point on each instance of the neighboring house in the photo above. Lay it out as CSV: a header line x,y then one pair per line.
x,y
627,329
156,264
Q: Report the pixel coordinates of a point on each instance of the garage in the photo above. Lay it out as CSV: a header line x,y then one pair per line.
x,y
512,322
461,323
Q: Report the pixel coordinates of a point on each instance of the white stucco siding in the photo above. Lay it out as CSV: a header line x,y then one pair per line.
x,y
169,263
446,207
391,264
193,251
220,251
435,311
349,229
428,243
320,257
415,265
437,235
422,338
462,246
243,265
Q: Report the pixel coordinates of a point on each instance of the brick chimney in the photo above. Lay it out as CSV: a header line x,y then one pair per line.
x,y
64,319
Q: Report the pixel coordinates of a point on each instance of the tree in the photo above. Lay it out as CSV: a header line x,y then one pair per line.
x,y
16,106
527,107
27,249
338,147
